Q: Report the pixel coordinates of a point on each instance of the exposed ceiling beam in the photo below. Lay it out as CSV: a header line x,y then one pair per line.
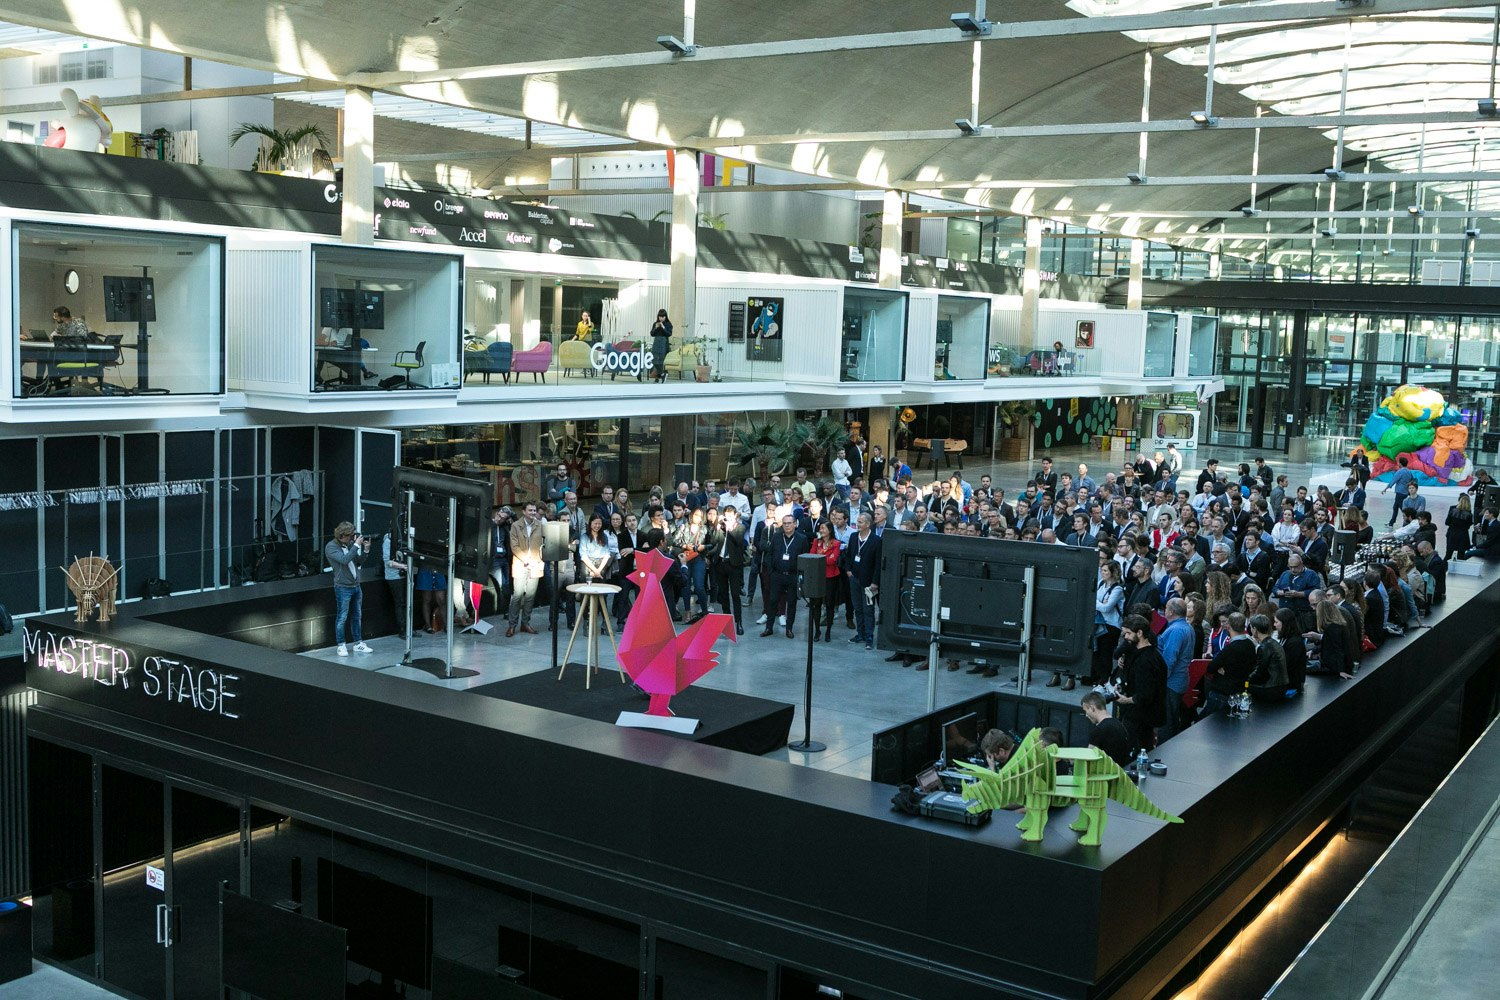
x,y
206,94
1416,118
1240,13
664,190
1202,180
479,154
1304,236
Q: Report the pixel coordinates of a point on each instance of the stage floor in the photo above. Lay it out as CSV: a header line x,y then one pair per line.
x,y
855,693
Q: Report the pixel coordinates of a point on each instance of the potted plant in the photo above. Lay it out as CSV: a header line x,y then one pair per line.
x,y
282,150
1016,418
824,438
769,448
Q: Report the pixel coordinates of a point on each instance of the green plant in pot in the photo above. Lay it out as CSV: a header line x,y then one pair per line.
x,y
282,150
823,439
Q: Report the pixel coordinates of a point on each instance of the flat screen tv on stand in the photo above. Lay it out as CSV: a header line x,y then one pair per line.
x,y
132,299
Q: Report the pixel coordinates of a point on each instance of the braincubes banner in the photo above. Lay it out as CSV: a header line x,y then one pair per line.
x,y
1416,422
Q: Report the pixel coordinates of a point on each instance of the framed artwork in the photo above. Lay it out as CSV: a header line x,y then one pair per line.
x,y
766,319
1083,338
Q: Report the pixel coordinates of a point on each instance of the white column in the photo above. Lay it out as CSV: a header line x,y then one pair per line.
x,y
1031,283
682,295
359,166
1137,274
892,212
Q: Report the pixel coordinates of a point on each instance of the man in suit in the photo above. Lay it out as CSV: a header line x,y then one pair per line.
x,y
606,507
1429,562
1486,537
1255,561
860,561
781,573
1046,479
500,518
1231,667
728,555
526,568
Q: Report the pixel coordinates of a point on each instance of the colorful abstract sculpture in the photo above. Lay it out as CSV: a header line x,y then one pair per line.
x,y
660,661
1030,777
1415,422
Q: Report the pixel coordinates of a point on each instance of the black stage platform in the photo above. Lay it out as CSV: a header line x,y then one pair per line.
x,y
729,720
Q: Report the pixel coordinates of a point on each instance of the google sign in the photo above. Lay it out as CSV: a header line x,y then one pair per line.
x,y
605,359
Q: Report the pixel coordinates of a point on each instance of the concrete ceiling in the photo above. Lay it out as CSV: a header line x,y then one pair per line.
x,y
1075,79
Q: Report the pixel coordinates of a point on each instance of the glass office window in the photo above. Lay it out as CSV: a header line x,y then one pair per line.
x,y
1161,344
1202,338
1381,337
108,312
1479,341
385,319
962,337
874,340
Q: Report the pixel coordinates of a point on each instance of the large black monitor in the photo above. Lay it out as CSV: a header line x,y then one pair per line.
x,y
958,739
429,519
275,954
983,596
129,299
355,308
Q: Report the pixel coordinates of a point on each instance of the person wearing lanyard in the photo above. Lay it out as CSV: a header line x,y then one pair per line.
x,y
781,572
827,546
862,565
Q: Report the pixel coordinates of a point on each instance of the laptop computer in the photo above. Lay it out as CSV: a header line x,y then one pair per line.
x,y
36,335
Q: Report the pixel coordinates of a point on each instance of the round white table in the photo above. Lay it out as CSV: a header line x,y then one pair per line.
x,y
594,610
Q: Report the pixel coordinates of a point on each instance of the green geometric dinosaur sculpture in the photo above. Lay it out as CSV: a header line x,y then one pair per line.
x,y
1030,777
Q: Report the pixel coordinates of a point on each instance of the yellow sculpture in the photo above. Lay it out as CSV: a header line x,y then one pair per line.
x,y
92,581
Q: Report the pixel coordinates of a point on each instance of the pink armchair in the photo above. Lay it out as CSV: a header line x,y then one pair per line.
x,y
537,361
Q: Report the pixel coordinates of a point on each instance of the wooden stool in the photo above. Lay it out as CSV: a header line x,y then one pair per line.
x,y
593,610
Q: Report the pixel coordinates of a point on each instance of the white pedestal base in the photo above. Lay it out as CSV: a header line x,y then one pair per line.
x,y
667,723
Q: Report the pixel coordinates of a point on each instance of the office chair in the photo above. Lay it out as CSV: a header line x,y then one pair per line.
x,y
72,361
407,367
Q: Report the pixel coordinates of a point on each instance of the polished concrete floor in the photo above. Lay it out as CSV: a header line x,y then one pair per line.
x,y
47,983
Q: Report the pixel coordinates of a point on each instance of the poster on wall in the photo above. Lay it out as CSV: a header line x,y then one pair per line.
x,y
766,318
1083,338
736,322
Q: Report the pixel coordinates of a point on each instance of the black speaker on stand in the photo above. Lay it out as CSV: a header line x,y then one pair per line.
x,y
682,472
812,570
554,550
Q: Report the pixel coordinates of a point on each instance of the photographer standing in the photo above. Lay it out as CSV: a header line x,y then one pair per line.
x,y
346,554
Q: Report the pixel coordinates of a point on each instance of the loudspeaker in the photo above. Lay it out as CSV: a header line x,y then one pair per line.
x,y
554,541
682,472
814,576
1488,497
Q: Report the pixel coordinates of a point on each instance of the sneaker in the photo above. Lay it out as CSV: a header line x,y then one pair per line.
x,y
762,619
781,620
343,649
360,647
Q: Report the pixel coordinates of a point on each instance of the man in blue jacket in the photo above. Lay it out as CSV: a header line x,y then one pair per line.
x,y
1176,647
1398,483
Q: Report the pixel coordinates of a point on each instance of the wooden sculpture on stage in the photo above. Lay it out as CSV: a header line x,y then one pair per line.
x,y
660,661
1030,777
92,581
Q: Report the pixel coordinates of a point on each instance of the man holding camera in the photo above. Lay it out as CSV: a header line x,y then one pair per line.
x,y
346,554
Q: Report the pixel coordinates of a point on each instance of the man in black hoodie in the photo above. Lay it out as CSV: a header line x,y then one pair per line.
x,y
1231,666
1142,699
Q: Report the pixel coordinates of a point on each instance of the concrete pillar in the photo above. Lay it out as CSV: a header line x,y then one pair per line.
x,y
559,327
518,313
892,208
682,294
1031,284
359,166
1137,274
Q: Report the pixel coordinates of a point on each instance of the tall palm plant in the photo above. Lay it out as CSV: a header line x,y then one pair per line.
x,y
281,149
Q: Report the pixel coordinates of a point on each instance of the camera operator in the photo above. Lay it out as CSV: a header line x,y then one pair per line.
x,y
346,553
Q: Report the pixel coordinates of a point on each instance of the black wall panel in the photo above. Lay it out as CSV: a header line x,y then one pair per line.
x,y
336,456
72,530
142,543
189,519
18,570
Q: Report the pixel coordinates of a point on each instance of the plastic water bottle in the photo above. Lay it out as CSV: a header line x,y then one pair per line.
x,y
1142,765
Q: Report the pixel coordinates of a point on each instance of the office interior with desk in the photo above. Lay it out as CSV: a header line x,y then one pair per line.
x,y
152,304
385,319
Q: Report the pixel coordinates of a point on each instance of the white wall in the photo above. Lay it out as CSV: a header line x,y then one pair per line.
x,y
921,336
1119,337
810,334
269,338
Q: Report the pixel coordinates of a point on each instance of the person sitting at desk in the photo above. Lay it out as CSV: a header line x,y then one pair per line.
x,y
65,326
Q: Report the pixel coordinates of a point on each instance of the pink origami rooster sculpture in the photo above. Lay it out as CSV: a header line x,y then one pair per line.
x,y
661,662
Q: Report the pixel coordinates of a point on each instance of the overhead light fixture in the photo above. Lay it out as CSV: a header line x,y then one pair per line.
x,y
967,127
1472,234
1136,178
1328,233
1249,212
971,23
1487,107
675,45
1333,173
1203,119
1414,210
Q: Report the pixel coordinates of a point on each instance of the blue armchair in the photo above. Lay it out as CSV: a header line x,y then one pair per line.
x,y
493,360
